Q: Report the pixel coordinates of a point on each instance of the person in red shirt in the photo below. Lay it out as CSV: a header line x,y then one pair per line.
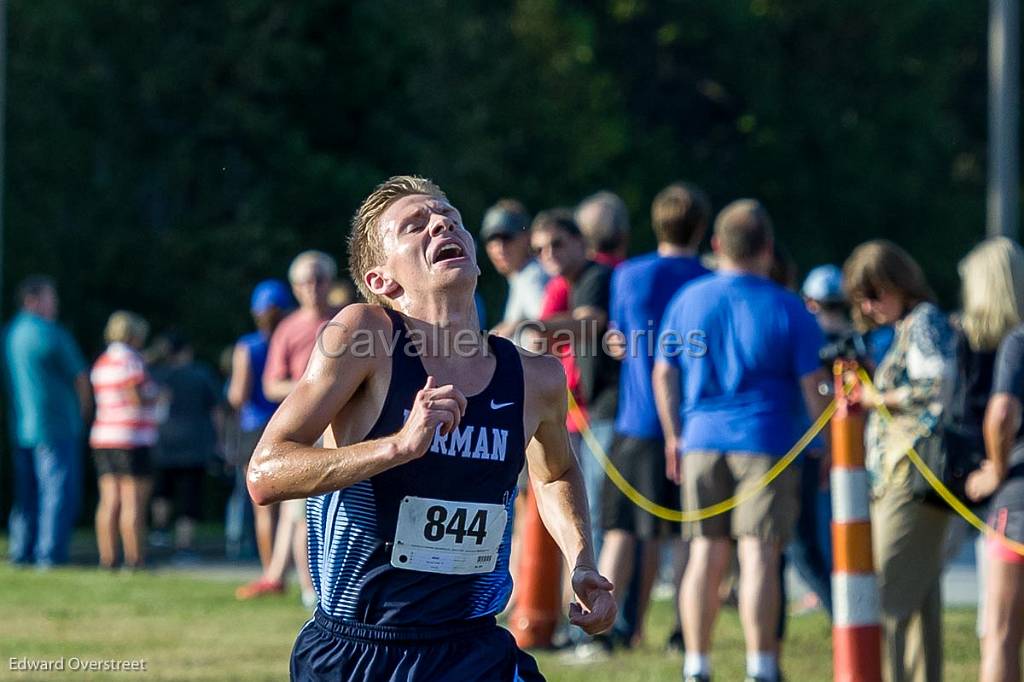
x,y
591,376
311,275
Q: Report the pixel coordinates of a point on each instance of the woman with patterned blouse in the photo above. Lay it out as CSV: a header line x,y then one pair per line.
x,y
886,286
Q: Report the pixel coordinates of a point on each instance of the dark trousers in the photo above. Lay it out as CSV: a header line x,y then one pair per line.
x,y
811,551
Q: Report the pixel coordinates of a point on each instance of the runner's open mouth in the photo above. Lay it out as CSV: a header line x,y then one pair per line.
x,y
448,252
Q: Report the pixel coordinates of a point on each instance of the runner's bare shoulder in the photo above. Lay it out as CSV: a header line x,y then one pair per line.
x,y
543,375
360,331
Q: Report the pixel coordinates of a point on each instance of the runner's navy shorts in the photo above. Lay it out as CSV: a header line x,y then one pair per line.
x,y
332,649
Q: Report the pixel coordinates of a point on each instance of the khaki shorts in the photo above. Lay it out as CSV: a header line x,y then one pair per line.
x,y
710,477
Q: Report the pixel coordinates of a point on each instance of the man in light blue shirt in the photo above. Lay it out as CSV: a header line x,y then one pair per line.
x,y
49,392
737,357
506,239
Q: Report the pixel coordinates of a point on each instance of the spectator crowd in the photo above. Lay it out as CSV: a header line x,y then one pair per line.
x,y
694,373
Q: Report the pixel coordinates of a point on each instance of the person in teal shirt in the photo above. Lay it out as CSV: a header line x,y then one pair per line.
x,y
49,392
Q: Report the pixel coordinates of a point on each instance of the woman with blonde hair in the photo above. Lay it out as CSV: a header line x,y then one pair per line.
x,y
122,435
993,292
993,300
886,286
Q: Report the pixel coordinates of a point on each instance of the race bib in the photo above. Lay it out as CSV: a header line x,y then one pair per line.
x,y
440,536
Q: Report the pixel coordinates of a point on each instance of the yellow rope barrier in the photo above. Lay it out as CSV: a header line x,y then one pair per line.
x,y
662,512
959,507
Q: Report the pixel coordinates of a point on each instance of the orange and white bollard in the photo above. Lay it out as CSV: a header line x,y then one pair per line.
x,y
856,629
539,593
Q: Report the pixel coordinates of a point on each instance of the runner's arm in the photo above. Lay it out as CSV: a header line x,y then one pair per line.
x,y
562,497
285,465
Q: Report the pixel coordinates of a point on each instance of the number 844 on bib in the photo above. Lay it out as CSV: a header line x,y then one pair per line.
x,y
442,536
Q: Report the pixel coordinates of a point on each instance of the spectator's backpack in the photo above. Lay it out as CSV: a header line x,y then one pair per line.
x,y
957,447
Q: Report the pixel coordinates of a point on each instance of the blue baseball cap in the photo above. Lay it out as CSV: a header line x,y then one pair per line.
x,y
825,284
270,293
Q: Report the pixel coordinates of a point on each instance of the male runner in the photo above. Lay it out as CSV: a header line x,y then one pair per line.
x,y
411,498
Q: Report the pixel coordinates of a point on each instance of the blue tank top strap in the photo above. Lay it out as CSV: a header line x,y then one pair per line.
x,y
407,372
508,368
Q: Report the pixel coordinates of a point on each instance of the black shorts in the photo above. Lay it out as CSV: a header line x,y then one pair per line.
x,y
331,649
184,487
123,462
641,461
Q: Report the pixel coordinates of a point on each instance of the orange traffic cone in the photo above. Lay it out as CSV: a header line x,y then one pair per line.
x,y
539,593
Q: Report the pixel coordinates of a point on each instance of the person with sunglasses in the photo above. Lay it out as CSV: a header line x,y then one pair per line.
x,y
576,335
886,286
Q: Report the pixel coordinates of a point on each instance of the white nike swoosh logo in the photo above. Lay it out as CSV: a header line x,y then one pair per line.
x,y
498,406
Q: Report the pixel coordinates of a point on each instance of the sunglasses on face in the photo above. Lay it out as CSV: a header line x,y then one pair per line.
x,y
553,245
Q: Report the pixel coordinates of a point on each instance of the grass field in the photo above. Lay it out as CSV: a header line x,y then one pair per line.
x,y
189,628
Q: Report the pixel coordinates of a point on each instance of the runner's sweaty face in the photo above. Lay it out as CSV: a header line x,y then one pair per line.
x,y
426,246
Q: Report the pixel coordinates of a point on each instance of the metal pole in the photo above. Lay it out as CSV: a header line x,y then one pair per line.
x,y
1003,93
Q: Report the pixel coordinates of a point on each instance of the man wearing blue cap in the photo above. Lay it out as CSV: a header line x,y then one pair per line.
x,y
270,302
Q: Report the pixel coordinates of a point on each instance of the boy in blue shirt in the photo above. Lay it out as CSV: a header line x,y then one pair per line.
x,y
640,292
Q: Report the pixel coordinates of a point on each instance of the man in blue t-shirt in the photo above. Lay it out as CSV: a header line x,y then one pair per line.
x,y
736,356
49,391
640,291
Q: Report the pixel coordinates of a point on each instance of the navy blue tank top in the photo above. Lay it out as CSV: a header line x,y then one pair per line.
x,y
352,531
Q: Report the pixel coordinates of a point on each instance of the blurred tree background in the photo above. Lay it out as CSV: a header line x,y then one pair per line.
x,y
165,155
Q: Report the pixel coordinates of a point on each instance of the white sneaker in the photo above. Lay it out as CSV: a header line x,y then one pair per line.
x,y
585,653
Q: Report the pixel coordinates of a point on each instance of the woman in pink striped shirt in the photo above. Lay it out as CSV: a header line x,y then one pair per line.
x,y
122,435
